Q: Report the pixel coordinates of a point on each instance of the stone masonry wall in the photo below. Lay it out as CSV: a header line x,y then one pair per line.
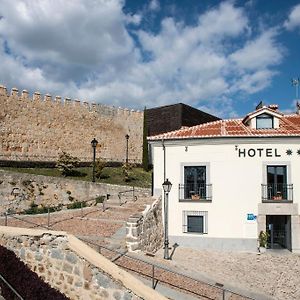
x,y
40,128
145,231
52,259
18,191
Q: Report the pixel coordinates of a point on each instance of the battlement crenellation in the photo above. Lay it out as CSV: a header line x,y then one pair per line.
x,y
91,106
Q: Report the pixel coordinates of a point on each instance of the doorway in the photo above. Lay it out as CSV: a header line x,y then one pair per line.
x,y
279,229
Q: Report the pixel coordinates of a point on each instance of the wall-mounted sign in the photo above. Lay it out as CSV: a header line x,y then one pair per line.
x,y
264,152
251,217
260,152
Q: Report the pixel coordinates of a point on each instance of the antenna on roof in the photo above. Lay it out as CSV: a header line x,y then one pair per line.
x,y
260,105
296,83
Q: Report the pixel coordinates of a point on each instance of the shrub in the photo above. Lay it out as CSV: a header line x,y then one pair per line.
x,y
99,167
127,172
100,199
66,164
263,239
76,205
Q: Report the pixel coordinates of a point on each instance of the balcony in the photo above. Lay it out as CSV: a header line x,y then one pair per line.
x,y
279,192
195,192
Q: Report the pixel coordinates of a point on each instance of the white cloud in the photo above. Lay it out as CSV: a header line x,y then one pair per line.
x,y
85,49
154,5
293,20
259,53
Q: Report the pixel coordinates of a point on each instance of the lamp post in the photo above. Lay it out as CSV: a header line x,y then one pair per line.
x,y
94,143
127,138
167,185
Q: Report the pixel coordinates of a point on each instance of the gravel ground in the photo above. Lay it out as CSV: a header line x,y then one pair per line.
x,y
274,273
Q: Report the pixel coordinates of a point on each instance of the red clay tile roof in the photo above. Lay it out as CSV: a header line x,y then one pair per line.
x,y
289,125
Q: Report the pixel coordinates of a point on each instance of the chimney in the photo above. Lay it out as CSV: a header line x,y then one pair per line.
x,y
273,106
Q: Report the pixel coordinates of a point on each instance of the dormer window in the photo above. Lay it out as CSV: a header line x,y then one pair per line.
x,y
264,121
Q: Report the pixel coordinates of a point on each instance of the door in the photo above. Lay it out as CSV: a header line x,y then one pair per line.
x,y
194,181
279,230
277,182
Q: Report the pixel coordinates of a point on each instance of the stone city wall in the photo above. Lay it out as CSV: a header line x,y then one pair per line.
x,y
145,230
72,267
42,127
18,191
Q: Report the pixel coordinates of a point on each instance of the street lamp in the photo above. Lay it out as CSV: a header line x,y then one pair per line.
x,y
167,185
127,138
94,143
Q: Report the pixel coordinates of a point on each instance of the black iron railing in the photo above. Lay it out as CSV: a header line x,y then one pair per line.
x,y
277,192
200,191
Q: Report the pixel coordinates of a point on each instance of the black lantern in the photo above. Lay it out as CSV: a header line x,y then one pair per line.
x,y
127,138
94,144
167,185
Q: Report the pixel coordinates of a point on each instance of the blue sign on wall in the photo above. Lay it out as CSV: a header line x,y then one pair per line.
x,y
251,217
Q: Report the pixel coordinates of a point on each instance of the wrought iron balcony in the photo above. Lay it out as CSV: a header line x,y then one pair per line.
x,y
195,192
277,192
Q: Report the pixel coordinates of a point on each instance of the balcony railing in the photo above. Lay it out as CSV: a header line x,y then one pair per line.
x,y
277,192
195,192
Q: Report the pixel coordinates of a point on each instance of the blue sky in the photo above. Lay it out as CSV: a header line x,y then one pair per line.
x,y
220,56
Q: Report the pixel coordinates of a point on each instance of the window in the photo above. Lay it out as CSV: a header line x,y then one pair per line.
x,y
195,221
264,121
194,182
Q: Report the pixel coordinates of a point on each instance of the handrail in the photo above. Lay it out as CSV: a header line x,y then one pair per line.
x,y
217,286
11,287
127,191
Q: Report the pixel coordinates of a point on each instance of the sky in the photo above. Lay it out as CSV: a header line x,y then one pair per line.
x,y
223,57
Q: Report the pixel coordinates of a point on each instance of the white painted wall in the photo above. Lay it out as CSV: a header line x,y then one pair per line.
x,y
236,181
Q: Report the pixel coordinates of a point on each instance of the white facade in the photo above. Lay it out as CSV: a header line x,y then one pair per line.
x,y
237,202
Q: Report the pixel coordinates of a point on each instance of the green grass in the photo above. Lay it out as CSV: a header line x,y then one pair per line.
x,y
111,175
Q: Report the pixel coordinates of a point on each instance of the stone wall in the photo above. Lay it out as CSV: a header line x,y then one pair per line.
x,y
145,230
40,128
72,267
18,191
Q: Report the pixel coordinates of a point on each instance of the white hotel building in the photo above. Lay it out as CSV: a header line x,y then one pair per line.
x,y
231,179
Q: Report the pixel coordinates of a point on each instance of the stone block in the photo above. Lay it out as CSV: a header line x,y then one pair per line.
x,y
67,268
57,254
71,258
102,280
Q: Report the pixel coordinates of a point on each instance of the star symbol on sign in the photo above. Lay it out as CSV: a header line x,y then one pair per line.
x,y
298,151
289,152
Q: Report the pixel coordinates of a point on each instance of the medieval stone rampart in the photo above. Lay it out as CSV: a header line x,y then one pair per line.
x,y
39,128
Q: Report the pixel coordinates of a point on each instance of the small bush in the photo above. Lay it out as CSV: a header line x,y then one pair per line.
x,y
76,205
263,239
66,164
127,172
26,183
100,199
99,167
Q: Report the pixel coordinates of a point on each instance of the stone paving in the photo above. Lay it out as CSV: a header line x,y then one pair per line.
x,y
90,222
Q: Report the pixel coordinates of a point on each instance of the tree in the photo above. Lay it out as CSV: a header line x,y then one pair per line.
x,y
66,163
145,143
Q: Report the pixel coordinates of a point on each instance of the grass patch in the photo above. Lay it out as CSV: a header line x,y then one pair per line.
x,y
112,175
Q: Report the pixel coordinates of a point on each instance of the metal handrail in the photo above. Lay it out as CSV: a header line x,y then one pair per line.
x,y
11,287
127,191
217,286
277,191
200,191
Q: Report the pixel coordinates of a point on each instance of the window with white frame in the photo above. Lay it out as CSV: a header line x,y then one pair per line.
x,y
195,221
194,184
